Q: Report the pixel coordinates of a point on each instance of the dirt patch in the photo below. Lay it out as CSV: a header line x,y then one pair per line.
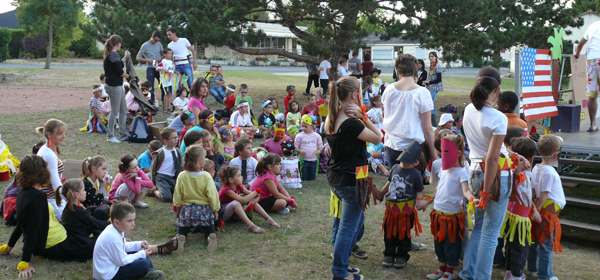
x,y
26,100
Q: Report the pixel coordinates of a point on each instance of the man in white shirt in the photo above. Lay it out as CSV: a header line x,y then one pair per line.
x,y
592,34
180,48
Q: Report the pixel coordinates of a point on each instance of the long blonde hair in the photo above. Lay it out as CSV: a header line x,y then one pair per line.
x,y
340,91
112,41
69,189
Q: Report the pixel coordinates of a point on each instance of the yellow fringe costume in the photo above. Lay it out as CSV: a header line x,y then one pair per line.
x,y
396,221
518,217
335,206
8,162
549,213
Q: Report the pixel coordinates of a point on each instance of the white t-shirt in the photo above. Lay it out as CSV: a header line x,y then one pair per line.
x,y
323,67
180,50
376,116
449,194
167,167
402,119
592,35
342,71
436,171
238,120
545,179
181,104
479,128
167,66
250,168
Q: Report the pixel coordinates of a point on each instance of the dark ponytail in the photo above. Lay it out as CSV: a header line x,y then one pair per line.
x,y
488,80
126,160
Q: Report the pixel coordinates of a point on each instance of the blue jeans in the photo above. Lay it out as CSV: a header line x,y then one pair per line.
x,y
352,220
136,269
218,93
309,170
433,95
392,156
336,226
540,257
479,254
186,69
152,74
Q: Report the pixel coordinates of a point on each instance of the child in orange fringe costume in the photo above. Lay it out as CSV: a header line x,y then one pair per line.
x,y
447,216
550,201
520,213
403,189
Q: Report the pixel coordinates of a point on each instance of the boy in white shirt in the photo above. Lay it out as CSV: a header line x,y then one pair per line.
x,y
115,258
167,69
325,74
166,165
241,118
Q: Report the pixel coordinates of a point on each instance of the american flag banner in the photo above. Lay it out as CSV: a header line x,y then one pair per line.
x,y
538,102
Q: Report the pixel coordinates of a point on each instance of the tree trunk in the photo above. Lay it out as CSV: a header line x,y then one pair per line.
x,y
50,35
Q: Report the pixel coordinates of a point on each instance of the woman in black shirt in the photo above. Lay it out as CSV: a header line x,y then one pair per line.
x,y
113,69
347,133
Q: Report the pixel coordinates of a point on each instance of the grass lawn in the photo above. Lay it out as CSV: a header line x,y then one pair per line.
x,y
299,250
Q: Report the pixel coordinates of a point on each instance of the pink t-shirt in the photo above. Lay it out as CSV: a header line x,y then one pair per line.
x,y
273,147
309,143
224,198
259,183
196,102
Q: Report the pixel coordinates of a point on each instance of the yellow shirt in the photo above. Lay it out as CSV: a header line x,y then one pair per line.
x,y
323,110
196,189
56,232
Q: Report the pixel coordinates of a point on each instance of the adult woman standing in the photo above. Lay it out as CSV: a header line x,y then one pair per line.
x,y
113,69
413,123
198,94
54,133
485,127
367,65
347,135
434,82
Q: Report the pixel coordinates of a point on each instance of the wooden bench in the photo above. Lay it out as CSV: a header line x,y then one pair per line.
x,y
582,202
569,180
579,225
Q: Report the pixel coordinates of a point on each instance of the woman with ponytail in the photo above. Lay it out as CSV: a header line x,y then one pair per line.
x,y
53,132
485,127
113,69
347,132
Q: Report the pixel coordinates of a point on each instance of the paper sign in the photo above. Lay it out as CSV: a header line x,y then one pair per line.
x,y
362,172
579,82
72,169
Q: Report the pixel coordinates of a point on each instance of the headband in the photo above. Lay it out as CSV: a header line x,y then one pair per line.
x,y
230,89
490,78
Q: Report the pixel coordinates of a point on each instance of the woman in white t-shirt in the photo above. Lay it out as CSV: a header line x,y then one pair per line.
x,y
485,127
413,121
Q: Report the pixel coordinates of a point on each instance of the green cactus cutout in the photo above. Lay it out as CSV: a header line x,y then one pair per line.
x,y
557,43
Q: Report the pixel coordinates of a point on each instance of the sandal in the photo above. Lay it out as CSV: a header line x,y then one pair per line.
x,y
169,247
272,223
592,130
254,229
150,192
359,253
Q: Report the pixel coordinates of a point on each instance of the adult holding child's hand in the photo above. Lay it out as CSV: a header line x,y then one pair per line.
x,y
113,69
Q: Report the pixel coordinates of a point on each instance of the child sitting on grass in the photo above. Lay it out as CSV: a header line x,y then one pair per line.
x,y
273,145
244,161
311,107
227,144
75,218
145,159
266,119
97,200
290,171
242,119
244,97
237,200
97,121
324,108
309,145
273,196
113,255
278,115
129,182
229,102
208,146
209,167
293,116
166,165
216,84
181,101
377,159
196,198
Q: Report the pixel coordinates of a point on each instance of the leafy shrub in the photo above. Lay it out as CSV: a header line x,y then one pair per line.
x,y
4,41
15,47
35,45
84,46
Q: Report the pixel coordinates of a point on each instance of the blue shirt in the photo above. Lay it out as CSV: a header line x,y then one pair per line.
x,y
144,160
378,148
183,147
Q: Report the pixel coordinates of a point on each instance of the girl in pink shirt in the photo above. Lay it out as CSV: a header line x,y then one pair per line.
x,y
273,196
129,182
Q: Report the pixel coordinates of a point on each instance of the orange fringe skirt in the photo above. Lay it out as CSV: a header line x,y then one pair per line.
x,y
551,229
443,225
396,221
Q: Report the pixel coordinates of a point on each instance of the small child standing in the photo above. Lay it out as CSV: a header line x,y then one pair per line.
x,y
375,113
403,189
181,101
290,173
145,159
447,217
167,68
216,84
96,122
324,108
166,165
196,198
309,145
273,145
245,161
273,196
377,158
112,257
550,201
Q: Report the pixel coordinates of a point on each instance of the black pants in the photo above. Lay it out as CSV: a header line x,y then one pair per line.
x,y
396,248
325,85
516,256
312,79
448,252
206,229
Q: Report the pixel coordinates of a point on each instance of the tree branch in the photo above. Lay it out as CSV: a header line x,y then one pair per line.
x,y
287,21
281,52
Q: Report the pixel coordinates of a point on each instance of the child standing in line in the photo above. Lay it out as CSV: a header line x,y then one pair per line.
x,y
377,159
227,144
517,226
266,119
112,257
76,219
273,145
196,198
105,105
403,194
273,196
550,201
290,172
244,96
181,101
375,112
233,203
145,159
96,121
216,84
293,116
309,145
167,68
447,217
97,200
166,165
311,107
129,182
245,161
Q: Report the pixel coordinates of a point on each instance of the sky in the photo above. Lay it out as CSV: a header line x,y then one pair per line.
x,y
5,6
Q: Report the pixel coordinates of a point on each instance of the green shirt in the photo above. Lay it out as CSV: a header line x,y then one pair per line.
x,y
240,99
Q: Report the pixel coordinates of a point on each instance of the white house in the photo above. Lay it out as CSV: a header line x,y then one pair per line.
x,y
589,18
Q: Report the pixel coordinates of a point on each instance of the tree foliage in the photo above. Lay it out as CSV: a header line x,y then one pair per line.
x,y
35,44
583,6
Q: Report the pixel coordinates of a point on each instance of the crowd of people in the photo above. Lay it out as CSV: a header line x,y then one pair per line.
x,y
211,169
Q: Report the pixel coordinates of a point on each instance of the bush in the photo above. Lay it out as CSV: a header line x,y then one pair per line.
x,y
15,47
35,45
4,41
84,46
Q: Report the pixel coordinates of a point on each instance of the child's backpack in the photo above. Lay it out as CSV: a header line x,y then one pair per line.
x,y
138,130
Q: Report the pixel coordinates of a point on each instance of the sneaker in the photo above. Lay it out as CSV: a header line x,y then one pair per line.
x,y
353,270
154,274
449,276
141,205
415,246
533,274
437,275
387,261
212,242
124,138
113,140
359,253
306,93
399,263
332,255
283,211
508,275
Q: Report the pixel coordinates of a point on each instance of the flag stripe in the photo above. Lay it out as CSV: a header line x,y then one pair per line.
x,y
539,105
537,89
538,101
533,100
